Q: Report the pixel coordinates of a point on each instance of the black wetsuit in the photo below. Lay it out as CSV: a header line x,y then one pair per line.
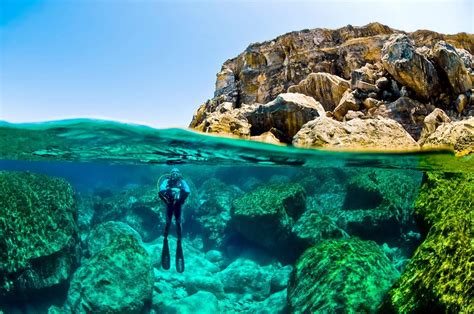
x,y
174,193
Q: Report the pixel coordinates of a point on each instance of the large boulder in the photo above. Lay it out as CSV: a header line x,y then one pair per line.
x,y
285,115
458,135
324,87
117,279
408,112
266,215
38,233
357,134
448,59
378,203
410,68
244,276
438,278
431,122
347,275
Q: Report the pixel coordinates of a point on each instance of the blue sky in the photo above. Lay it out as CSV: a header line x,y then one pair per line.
x,y
154,62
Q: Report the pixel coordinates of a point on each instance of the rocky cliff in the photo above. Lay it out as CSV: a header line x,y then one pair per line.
x,y
350,88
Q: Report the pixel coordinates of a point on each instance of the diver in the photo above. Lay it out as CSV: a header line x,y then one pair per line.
x,y
173,191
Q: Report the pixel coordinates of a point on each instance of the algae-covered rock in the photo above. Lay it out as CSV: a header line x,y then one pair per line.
x,y
266,215
103,234
117,279
440,278
379,202
38,231
348,275
213,213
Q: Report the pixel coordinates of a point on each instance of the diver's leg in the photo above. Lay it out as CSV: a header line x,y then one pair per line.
x,y
179,247
169,216
177,216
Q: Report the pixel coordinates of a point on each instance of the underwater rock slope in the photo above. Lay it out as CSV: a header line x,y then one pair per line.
x,y
306,87
440,276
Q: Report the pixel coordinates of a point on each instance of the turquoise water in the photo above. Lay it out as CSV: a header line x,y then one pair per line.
x,y
92,240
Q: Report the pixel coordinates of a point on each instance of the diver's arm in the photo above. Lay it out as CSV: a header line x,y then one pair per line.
x,y
163,191
185,191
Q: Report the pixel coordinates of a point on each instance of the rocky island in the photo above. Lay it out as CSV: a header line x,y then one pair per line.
x,y
353,88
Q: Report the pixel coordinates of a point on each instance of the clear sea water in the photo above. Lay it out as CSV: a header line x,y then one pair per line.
x,y
103,160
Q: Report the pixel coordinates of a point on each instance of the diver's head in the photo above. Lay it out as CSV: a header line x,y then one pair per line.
x,y
175,174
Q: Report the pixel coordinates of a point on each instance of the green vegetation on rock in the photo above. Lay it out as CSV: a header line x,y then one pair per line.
x,y
266,215
37,231
345,275
440,276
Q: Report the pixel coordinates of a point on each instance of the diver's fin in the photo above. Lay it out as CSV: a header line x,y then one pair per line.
x,y
165,255
179,258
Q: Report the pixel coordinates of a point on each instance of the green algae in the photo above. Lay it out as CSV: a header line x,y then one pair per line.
x,y
440,276
37,220
345,275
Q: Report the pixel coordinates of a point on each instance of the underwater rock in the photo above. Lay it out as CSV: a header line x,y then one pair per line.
x,y
211,284
117,279
314,227
357,134
409,68
38,232
139,207
200,302
348,275
459,135
378,203
213,213
266,215
438,278
280,277
244,276
324,87
274,304
103,234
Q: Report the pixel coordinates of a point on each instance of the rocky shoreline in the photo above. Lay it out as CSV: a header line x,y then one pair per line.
x,y
354,88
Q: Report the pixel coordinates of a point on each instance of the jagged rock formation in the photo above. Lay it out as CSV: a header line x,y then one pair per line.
x,y
353,72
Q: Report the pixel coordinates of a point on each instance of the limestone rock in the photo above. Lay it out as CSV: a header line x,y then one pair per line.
x,y
267,137
286,114
347,102
324,87
357,134
38,232
458,135
409,113
341,275
447,59
409,67
432,122
461,102
117,279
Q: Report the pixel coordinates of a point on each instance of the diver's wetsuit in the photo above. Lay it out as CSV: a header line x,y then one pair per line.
x,y
174,201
